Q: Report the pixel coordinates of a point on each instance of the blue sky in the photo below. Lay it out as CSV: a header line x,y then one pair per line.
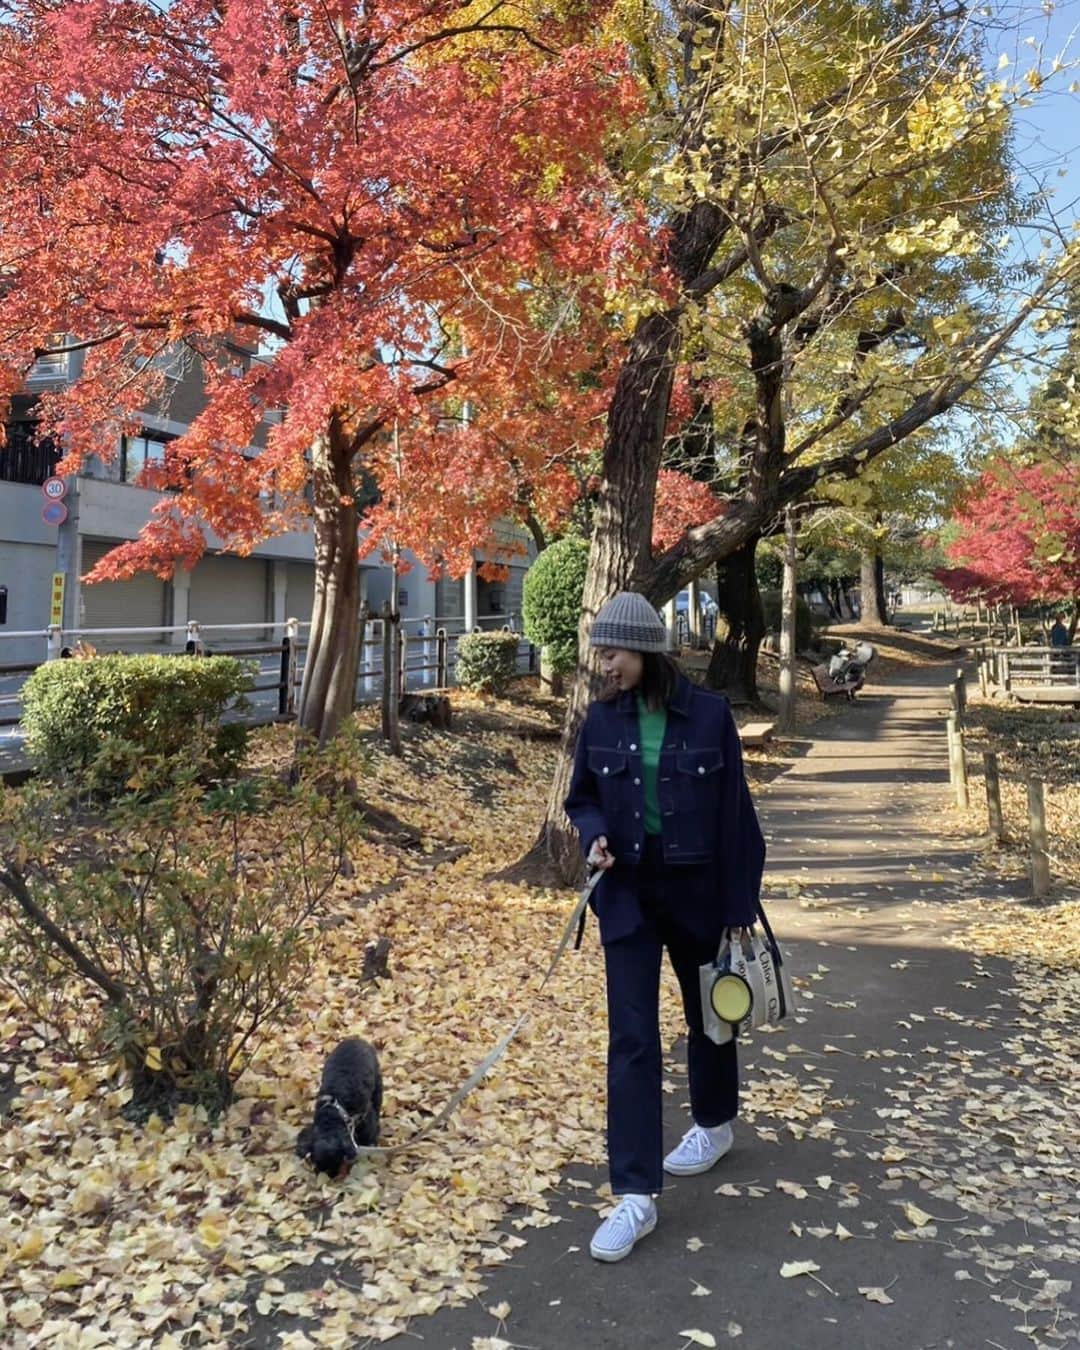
x,y
1048,133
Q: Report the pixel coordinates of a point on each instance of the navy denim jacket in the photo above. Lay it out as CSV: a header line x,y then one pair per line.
x,y
709,825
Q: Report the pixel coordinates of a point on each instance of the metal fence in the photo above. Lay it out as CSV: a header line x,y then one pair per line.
x,y
428,655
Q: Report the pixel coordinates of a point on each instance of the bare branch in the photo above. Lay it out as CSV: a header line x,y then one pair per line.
x,y
264,322
443,33
14,883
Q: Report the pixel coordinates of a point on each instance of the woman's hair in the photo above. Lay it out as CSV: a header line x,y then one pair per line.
x,y
658,676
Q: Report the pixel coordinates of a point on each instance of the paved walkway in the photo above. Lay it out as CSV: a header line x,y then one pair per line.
x,y
916,1077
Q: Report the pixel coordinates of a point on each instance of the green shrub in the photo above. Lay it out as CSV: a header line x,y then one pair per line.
x,y
804,619
487,661
170,931
551,601
157,706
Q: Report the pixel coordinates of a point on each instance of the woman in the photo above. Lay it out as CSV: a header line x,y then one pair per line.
x,y
660,804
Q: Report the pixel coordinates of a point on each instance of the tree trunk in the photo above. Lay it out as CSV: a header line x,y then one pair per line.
x,y
621,538
329,685
550,682
733,667
785,721
872,579
846,589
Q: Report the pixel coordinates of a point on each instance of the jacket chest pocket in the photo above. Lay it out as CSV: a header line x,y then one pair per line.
x,y
608,765
698,775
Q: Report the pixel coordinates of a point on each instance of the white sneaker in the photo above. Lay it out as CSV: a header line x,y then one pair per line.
x,y
633,1217
699,1150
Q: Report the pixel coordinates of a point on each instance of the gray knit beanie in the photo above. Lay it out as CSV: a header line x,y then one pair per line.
x,y
629,621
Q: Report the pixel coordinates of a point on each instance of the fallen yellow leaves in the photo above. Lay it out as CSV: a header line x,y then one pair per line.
x,y
792,1269
1044,741
874,1294
918,1218
194,1232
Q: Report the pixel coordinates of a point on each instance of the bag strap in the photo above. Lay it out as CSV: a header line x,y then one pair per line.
x,y
768,928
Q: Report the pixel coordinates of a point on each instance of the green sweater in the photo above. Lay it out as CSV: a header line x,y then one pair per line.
x,y
651,727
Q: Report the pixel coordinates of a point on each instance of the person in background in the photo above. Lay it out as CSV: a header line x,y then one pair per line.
x,y
660,803
1059,634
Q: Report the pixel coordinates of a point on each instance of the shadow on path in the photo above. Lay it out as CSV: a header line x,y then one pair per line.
x,y
887,1134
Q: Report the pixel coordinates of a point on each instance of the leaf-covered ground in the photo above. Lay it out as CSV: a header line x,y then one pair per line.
x,y
111,1236
196,1235
1029,741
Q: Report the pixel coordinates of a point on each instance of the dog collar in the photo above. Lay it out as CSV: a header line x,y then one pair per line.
x,y
350,1124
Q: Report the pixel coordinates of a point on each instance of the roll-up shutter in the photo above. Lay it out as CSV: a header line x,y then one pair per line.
x,y
228,590
299,591
137,603
450,602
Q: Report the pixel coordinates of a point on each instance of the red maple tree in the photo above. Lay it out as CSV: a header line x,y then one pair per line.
x,y
397,210
1019,536
681,503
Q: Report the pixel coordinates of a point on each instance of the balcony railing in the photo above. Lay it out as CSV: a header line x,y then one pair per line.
x,y
24,458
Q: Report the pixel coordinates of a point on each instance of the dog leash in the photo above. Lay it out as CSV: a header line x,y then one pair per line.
x,y
576,919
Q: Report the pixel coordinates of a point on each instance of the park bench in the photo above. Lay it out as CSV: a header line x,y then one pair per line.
x,y
829,688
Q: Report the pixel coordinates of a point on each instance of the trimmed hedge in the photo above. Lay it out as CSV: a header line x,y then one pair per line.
x,y
551,601
156,704
487,662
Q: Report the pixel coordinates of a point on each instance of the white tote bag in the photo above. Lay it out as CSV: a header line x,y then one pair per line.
x,y
747,985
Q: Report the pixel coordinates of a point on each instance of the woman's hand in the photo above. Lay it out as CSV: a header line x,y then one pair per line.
x,y
599,855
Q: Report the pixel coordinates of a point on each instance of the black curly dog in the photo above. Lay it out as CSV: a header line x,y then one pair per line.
x,y
346,1109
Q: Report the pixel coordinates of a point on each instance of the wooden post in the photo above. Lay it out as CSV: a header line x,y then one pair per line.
x,y
1040,863
956,701
950,733
958,763
962,797
984,683
993,796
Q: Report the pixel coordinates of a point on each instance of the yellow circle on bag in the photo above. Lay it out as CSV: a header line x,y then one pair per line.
x,y
731,997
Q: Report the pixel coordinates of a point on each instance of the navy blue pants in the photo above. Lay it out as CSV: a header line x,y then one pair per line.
x,y
635,1126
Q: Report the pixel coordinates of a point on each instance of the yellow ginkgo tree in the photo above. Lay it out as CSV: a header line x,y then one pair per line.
x,y
837,207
